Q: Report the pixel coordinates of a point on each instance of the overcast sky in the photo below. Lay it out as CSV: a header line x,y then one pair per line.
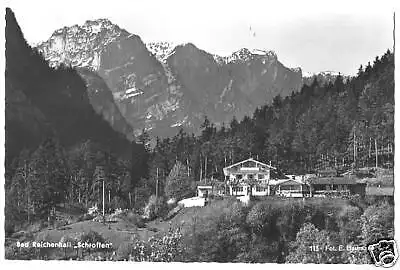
x,y
314,35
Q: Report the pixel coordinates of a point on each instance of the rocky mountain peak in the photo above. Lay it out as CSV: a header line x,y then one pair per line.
x,y
81,45
160,86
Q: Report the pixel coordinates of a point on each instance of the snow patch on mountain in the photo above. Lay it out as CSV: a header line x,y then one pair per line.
x,y
323,73
244,55
297,69
161,50
227,89
180,122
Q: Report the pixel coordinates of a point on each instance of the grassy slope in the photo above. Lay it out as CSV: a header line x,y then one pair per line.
x,y
123,231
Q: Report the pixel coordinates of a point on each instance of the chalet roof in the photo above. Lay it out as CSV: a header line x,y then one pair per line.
x,y
209,182
204,187
249,171
250,159
284,182
334,181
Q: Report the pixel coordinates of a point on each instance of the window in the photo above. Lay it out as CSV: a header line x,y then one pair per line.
x,y
260,189
237,189
239,176
260,176
250,176
290,187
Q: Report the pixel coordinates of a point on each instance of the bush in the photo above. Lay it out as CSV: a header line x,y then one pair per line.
x,y
124,251
92,237
260,216
178,184
310,247
134,219
12,252
164,248
9,228
377,223
217,233
173,212
60,223
349,223
156,207
85,217
118,203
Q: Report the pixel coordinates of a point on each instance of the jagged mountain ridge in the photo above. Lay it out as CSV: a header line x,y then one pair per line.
x,y
159,86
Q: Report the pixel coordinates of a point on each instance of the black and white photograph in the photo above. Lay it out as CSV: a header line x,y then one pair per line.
x,y
252,132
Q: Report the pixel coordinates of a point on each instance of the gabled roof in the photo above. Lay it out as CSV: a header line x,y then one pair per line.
x,y
250,159
284,182
334,181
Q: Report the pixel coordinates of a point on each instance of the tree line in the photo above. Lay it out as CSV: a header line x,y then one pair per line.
x,y
340,124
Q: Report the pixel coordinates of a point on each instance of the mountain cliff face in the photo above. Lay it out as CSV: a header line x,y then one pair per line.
x,y
43,101
159,86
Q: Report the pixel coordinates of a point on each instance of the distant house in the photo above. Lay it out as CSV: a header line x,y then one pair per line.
x,y
289,188
248,177
210,187
321,186
204,191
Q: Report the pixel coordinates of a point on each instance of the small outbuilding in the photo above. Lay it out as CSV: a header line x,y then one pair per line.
x,y
289,188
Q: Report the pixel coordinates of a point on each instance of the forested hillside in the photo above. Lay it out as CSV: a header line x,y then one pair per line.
x,y
57,146
57,98
322,125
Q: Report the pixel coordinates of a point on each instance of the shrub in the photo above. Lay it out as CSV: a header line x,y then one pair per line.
x,y
259,217
12,252
117,202
156,207
9,228
349,223
173,212
178,184
124,251
310,247
60,223
163,248
377,223
134,219
85,217
217,233
92,237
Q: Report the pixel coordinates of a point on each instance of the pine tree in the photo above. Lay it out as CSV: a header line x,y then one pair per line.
x,y
48,176
98,177
178,183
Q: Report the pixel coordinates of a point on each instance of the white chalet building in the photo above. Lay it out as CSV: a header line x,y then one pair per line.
x,y
242,175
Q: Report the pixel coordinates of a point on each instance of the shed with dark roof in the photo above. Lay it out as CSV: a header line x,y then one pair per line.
x,y
352,185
